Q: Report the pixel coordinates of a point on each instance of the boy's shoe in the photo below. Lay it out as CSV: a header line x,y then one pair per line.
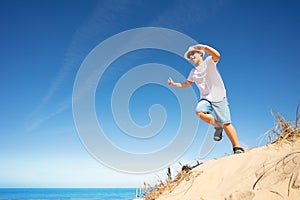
x,y
238,150
218,133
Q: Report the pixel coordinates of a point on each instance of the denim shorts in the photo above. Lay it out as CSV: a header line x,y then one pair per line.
x,y
220,109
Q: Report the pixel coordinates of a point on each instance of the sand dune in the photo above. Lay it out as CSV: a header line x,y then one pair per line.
x,y
268,172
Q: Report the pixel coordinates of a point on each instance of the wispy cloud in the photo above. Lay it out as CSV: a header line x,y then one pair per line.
x,y
98,25
37,122
101,23
188,15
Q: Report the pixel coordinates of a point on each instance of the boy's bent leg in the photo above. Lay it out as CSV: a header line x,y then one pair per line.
x,y
208,118
203,110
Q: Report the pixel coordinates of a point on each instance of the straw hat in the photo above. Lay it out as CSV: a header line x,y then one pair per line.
x,y
192,49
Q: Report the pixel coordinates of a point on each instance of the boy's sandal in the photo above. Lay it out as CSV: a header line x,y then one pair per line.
x,y
218,134
238,150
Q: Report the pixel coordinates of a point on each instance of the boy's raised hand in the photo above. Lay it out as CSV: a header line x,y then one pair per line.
x,y
170,81
199,47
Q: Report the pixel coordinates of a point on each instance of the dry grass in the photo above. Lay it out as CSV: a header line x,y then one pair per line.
x,y
169,184
284,130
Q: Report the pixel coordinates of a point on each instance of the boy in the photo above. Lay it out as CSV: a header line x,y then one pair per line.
x,y
212,92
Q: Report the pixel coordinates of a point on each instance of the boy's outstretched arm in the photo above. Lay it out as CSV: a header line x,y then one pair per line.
x,y
180,85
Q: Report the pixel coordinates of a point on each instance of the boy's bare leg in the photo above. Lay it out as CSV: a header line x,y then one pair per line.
x,y
231,133
208,118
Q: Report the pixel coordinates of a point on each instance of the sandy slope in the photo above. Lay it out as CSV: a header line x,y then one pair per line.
x,y
267,172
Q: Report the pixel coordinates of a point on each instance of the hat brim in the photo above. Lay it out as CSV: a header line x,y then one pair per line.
x,y
189,52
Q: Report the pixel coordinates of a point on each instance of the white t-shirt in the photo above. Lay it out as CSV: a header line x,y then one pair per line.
x,y
208,80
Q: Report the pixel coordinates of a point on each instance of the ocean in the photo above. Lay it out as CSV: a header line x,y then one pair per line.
x,y
67,194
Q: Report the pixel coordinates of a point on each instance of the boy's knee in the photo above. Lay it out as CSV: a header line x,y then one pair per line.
x,y
226,125
201,114
198,113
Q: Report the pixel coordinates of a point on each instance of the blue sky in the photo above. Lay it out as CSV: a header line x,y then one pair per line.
x,y
43,44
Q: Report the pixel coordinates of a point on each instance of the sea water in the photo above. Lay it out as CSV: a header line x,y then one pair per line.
x,y
70,194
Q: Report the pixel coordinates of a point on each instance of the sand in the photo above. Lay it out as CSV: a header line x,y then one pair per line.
x,y
268,172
